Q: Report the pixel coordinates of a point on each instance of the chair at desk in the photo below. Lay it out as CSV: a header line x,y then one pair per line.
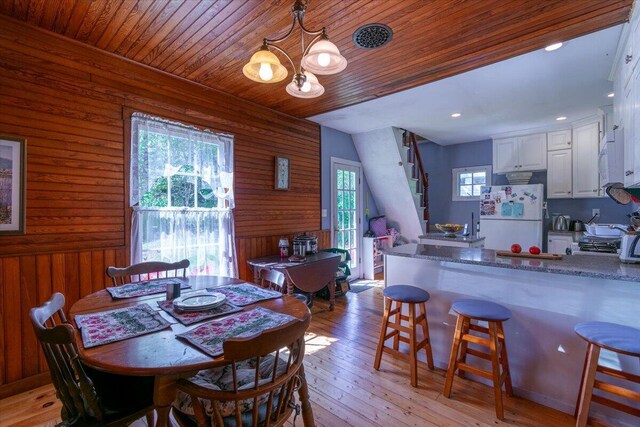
x,y
146,271
273,279
89,397
276,280
255,389
342,273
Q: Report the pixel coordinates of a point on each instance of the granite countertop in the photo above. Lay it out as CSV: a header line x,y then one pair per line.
x,y
458,238
599,267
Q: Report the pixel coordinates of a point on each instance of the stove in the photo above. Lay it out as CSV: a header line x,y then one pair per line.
x,y
592,245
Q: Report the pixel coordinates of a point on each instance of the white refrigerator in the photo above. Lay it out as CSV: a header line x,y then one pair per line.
x,y
511,214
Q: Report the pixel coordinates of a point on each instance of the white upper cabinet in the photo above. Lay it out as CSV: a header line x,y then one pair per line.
x,y
586,143
533,152
559,140
505,155
521,153
559,179
627,98
627,122
634,106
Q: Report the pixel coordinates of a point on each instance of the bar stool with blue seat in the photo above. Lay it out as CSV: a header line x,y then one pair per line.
x,y
494,314
412,296
619,339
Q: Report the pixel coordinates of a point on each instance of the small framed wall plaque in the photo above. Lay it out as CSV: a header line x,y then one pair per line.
x,y
282,173
12,185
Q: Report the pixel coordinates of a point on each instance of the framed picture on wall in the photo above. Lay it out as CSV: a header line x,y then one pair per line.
x,y
282,173
12,185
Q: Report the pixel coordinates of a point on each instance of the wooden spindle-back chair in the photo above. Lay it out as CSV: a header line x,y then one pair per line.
x,y
147,270
273,279
81,403
268,400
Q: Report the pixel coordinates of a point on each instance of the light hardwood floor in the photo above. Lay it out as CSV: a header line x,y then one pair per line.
x,y
345,389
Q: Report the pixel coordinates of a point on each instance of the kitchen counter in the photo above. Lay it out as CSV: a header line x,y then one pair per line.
x,y
547,299
599,267
458,238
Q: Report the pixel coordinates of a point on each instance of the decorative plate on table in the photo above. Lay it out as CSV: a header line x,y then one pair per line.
x,y
199,301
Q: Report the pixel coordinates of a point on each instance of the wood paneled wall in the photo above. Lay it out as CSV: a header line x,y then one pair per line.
x,y
69,100
256,247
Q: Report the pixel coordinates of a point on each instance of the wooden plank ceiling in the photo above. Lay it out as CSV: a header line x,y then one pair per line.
x,y
208,41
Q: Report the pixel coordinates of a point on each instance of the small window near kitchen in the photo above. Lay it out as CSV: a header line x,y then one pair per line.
x,y
467,182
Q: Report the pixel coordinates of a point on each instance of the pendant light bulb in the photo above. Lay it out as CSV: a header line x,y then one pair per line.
x,y
264,67
265,73
324,59
311,88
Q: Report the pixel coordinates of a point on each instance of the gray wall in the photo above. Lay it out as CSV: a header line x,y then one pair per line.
x,y
339,144
439,160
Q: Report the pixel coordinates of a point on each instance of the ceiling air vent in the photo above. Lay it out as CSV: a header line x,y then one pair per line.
x,y
372,36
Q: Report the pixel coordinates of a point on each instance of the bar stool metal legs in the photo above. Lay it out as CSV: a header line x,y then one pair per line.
x,y
396,296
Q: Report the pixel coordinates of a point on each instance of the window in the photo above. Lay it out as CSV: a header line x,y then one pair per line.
x,y
182,196
467,182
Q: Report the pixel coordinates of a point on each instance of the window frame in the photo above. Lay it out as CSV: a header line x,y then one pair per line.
x,y
186,121
455,179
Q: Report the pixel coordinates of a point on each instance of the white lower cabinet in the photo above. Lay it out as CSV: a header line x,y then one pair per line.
x,y
558,243
586,148
559,178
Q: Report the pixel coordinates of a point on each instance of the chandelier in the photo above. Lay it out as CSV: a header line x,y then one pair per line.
x,y
320,56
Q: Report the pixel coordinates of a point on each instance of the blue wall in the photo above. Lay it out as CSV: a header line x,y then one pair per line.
x,y
339,144
439,160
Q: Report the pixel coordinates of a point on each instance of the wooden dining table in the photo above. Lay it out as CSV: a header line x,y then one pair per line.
x,y
163,356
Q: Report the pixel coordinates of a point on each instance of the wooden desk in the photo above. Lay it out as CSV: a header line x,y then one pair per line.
x,y
161,354
318,271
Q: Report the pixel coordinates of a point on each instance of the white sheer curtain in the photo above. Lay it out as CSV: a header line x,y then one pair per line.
x,y
182,196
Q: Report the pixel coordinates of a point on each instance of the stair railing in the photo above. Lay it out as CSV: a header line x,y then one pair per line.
x,y
418,172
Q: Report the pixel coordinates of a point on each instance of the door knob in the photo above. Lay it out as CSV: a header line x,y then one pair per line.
x,y
627,173
628,59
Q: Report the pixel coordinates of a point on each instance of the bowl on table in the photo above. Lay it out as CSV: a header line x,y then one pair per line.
x,y
450,230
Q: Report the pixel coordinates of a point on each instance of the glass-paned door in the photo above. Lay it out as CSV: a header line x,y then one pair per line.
x,y
347,210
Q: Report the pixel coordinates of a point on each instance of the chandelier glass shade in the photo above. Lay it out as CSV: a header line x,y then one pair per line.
x,y
324,58
319,56
265,67
311,88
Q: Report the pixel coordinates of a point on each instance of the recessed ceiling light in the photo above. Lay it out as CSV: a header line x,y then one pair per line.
x,y
553,47
456,115
611,95
561,118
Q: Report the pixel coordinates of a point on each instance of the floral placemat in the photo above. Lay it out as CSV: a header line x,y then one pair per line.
x,y
189,317
115,325
246,293
210,336
146,287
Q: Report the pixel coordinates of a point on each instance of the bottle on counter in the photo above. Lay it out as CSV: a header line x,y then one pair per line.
x,y
283,244
478,229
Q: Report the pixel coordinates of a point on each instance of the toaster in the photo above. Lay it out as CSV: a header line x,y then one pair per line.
x,y
630,248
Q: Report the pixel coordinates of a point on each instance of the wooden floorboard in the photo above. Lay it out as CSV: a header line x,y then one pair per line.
x,y
345,389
